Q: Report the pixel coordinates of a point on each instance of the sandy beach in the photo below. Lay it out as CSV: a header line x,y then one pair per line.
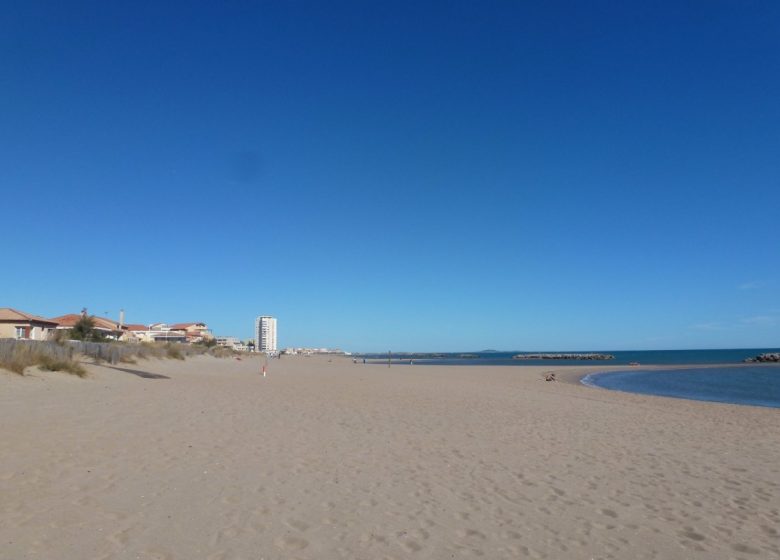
x,y
326,459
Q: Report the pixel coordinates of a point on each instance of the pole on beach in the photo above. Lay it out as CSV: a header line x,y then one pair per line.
x,y
389,357
265,364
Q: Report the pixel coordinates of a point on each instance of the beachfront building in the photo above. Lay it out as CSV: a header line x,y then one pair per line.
x,y
312,351
232,343
20,325
157,332
265,334
135,333
227,341
105,327
193,332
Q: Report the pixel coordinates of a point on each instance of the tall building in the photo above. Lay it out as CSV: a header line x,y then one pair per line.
x,y
265,334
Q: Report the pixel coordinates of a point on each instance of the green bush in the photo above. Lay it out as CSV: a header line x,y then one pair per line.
x,y
84,330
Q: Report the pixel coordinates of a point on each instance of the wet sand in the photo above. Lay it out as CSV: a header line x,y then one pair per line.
x,y
329,459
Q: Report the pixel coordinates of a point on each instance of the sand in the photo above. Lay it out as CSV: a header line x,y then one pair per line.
x,y
206,459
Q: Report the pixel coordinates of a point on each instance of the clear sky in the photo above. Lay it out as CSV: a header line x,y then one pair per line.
x,y
398,175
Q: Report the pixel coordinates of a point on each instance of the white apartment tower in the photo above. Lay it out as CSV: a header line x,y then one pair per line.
x,y
265,334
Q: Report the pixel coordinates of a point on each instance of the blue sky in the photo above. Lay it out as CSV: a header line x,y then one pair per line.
x,y
399,175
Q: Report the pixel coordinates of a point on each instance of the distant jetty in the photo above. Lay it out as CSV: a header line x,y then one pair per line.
x,y
761,358
563,357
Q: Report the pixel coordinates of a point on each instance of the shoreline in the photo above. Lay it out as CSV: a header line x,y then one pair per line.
x,y
569,376
710,395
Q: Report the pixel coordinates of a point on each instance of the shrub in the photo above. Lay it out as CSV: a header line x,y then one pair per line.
x,y
16,367
60,336
83,329
222,352
173,351
54,364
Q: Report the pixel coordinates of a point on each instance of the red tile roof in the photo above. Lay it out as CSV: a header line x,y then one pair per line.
x,y
136,327
8,314
71,319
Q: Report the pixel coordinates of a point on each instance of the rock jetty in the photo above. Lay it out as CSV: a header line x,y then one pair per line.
x,y
563,357
770,357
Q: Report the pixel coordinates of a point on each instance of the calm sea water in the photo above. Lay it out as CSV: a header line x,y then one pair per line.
x,y
746,384
644,357
757,385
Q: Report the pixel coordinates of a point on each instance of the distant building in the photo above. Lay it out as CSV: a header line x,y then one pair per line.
x,y
195,332
135,333
231,342
157,332
265,334
310,351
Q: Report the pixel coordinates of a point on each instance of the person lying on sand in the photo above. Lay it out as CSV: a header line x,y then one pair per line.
x,y
550,377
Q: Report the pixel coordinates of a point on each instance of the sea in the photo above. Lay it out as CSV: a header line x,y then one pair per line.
x,y
729,381
622,357
755,384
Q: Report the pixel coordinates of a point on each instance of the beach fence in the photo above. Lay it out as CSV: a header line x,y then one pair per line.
x,y
18,354
31,351
116,352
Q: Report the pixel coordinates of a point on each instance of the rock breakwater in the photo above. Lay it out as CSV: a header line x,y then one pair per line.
x,y
563,357
762,358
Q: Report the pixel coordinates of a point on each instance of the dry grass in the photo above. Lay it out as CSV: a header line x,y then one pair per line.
x,y
53,364
222,352
129,353
173,351
62,355
18,355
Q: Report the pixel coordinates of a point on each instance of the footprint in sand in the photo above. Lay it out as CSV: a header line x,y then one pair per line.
x,y
690,534
471,534
119,539
297,525
291,543
745,548
230,500
157,555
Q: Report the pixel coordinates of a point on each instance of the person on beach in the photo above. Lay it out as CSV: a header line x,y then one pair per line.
x,y
550,377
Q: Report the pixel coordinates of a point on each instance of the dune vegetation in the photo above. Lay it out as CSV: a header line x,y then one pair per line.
x,y
69,355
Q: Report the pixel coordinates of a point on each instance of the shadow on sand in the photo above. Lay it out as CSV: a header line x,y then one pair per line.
x,y
139,373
